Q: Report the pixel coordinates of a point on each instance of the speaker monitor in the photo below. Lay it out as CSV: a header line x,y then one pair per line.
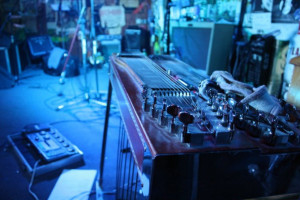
x,y
109,47
133,39
39,45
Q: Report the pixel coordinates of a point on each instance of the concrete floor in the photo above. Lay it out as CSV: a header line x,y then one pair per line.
x,y
34,99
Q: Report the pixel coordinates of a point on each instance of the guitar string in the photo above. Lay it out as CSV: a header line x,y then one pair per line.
x,y
179,90
184,89
167,78
180,87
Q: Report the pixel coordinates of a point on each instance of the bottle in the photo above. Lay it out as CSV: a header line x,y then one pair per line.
x,y
156,46
294,51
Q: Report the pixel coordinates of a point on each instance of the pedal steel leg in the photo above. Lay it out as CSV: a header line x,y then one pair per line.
x,y
104,137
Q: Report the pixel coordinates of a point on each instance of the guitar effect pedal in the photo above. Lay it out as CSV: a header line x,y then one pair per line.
x,y
49,142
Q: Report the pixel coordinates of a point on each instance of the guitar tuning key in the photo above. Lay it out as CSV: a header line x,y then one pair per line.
x,y
186,118
164,104
163,118
231,119
173,110
245,108
219,112
225,118
268,136
253,128
274,124
210,97
232,103
214,104
146,105
154,111
202,115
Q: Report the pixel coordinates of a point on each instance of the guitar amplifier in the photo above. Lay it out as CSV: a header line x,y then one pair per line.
x,y
39,45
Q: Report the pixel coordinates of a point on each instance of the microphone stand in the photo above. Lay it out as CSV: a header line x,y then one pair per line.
x,y
80,24
84,62
97,99
63,73
94,41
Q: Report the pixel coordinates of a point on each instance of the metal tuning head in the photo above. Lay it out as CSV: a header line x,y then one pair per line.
x,y
154,111
231,102
231,119
220,110
164,105
274,124
245,108
210,94
146,105
163,118
173,110
260,117
225,119
186,118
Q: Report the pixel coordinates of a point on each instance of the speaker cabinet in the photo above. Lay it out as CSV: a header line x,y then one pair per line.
x,y
203,45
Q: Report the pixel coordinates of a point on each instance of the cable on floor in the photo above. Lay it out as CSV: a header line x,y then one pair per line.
x,y
32,179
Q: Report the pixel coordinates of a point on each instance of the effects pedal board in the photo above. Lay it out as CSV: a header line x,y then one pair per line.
x,y
49,142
